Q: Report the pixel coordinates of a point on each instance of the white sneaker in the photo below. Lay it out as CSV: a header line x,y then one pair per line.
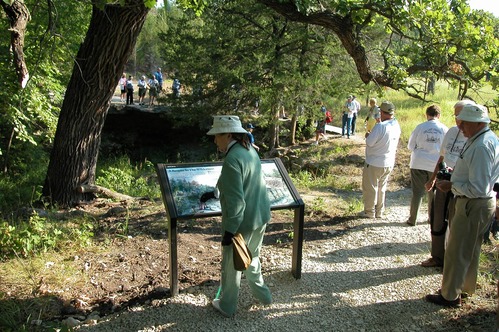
x,y
315,143
216,304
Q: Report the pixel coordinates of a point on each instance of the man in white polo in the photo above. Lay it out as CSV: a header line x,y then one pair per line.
x,y
472,181
381,147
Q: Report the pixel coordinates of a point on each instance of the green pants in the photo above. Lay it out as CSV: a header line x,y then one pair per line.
x,y
231,279
418,179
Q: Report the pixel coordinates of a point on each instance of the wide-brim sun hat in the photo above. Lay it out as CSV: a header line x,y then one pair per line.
x,y
387,107
225,124
474,113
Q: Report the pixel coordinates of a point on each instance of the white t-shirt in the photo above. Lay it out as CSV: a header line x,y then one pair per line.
x,y
425,142
382,142
452,146
357,106
351,108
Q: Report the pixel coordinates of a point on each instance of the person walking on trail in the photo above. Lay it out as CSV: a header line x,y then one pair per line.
x,y
153,89
373,116
346,121
129,91
424,143
442,203
159,77
142,89
320,130
122,83
176,88
356,111
472,182
245,209
381,147
250,129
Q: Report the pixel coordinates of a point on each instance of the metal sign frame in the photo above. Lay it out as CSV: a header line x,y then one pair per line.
x,y
182,184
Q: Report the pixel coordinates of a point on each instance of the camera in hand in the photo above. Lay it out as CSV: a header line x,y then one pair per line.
x,y
445,172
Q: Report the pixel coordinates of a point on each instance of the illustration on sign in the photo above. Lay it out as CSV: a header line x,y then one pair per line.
x,y
187,184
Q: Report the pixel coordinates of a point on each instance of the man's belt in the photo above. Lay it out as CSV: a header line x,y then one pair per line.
x,y
465,197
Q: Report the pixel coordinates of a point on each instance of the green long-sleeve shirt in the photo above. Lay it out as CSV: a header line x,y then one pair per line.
x,y
243,192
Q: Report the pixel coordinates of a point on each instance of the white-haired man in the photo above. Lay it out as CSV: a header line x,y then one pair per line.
x,y
472,181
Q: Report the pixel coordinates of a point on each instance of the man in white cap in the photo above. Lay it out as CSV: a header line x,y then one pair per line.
x,y
472,181
381,147
245,209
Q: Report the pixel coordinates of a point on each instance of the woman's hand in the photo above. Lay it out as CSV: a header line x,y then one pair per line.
x,y
207,196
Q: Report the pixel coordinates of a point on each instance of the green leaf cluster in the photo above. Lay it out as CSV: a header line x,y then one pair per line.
x,y
38,235
29,116
120,175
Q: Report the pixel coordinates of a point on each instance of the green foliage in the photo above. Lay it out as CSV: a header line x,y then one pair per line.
x,y
22,185
318,205
39,235
238,53
29,116
120,175
355,205
304,179
148,49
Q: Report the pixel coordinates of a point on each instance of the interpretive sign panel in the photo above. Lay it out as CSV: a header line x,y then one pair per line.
x,y
183,184
187,182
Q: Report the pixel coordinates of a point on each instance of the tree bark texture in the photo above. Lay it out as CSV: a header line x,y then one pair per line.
x,y
100,61
19,16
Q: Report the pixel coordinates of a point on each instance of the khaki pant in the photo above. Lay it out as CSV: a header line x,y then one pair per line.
x,y
469,223
374,182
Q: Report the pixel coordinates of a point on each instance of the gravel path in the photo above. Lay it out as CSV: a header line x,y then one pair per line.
x,y
365,279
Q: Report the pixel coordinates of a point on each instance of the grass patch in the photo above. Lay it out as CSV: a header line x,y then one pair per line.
x,y
39,234
136,180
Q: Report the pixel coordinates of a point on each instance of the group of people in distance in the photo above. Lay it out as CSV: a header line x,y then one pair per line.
x,y
154,84
350,111
458,170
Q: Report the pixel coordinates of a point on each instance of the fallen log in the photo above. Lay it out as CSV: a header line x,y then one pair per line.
x,y
86,188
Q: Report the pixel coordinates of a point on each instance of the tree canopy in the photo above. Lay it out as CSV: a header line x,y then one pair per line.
x,y
441,38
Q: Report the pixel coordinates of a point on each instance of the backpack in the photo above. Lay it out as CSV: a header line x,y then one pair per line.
x,y
129,85
329,118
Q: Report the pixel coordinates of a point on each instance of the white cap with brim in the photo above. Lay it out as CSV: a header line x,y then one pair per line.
x,y
474,113
224,124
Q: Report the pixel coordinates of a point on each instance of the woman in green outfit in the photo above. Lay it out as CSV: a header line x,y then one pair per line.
x,y
245,209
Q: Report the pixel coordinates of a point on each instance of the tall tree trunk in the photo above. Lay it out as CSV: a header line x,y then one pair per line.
x,y
110,40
